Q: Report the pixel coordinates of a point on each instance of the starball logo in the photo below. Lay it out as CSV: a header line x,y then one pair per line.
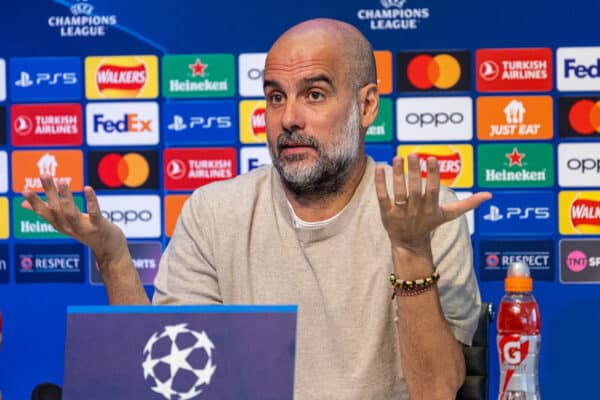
x,y
579,213
455,162
393,15
121,77
434,71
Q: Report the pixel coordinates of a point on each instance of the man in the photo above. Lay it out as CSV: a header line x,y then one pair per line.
x,y
318,229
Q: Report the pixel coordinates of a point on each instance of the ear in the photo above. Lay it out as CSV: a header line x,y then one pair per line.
x,y
368,97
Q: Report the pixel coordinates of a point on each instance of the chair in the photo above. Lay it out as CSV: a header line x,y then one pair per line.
x,y
476,386
46,391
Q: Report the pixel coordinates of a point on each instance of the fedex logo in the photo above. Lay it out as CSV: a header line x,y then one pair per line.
x,y
48,78
578,68
126,123
581,70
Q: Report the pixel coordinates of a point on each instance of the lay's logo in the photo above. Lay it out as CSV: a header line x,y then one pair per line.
x,y
579,213
455,162
121,77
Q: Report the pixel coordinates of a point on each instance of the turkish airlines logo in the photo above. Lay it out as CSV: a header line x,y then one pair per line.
x,y
489,70
137,216
123,170
188,169
434,71
46,124
176,169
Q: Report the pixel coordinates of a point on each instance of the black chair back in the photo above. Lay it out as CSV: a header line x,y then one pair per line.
x,y
46,391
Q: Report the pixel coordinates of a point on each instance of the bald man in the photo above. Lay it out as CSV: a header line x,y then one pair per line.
x,y
323,227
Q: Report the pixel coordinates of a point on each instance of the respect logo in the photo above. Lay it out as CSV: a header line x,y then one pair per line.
x,y
123,170
66,165
579,117
455,162
433,71
579,213
121,77
253,127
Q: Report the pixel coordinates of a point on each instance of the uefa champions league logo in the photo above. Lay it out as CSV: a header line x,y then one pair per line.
x,y
178,362
393,3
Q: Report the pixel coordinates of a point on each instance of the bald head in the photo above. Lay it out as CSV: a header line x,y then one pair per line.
x,y
353,48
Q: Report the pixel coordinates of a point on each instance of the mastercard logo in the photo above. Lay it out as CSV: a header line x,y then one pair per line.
x,y
441,71
130,170
584,117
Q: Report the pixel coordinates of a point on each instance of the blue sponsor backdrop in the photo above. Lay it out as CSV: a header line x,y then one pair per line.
x,y
199,122
34,314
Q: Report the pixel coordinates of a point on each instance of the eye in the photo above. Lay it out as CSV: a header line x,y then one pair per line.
x,y
276,98
316,95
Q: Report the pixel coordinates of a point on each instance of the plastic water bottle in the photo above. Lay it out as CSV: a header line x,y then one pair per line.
x,y
519,337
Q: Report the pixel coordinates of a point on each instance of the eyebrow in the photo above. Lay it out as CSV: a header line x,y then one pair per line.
x,y
306,81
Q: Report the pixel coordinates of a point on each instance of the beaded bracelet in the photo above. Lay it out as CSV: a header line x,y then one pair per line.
x,y
412,287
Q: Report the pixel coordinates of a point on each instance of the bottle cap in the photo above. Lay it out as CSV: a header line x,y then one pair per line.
x,y
518,278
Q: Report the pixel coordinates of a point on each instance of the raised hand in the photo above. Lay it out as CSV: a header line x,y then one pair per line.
x,y
413,212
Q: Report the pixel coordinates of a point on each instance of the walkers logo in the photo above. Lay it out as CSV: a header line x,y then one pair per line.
x,y
123,170
579,261
578,69
495,256
383,63
188,169
252,157
2,126
4,263
145,257
137,216
117,124
121,77
28,225
3,172
250,74
82,22
455,162
514,70
579,213
173,205
65,165
4,233
515,166
198,75
48,78
449,71
381,129
199,122
579,164
393,15
579,117
518,213
514,118
434,118
2,80
46,124
253,128
49,263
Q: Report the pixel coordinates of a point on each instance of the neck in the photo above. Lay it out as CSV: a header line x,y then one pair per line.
x,y
311,207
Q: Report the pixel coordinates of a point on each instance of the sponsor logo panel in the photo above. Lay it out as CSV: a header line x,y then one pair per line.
x,y
518,213
514,118
188,169
383,63
455,161
126,123
199,122
121,77
579,164
49,263
173,205
4,263
253,157
28,225
253,128
579,213
515,165
46,124
250,74
198,75
393,15
514,70
4,219
579,260
434,71
495,257
3,172
145,257
65,165
578,69
82,22
579,117
2,125
124,170
2,80
137,216
381,129
45,78
434,119
470,215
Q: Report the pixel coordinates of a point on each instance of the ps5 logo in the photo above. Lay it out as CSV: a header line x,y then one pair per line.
x,y
219,122
494,215
65,78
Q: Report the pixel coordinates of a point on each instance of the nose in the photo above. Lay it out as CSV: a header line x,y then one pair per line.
x,y
292,118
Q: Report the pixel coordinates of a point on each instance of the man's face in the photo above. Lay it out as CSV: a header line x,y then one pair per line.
x,y
312,117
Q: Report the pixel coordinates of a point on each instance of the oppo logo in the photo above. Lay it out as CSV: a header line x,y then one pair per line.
x,y
127,216
584,164
435,119
255,73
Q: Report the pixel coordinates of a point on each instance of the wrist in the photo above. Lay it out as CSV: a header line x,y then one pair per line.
x,y
412,263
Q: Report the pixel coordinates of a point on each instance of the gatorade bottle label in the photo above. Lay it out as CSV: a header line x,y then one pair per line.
x,y
519,357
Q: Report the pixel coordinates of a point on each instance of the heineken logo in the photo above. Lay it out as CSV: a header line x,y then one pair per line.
x,y
525,165
198,75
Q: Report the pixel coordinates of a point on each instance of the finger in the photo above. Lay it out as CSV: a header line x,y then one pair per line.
x,y
68,207
381,189
432,185
400,195
50,191
33,202
93,208
458,208
414,183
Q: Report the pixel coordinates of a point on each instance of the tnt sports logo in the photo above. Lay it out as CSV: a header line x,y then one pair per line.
x,y
576,261
455,162
579,213
580,260
138,216
578,69
250,74
123,170
178,362
579,117
253,127
115,124
121,77
434,71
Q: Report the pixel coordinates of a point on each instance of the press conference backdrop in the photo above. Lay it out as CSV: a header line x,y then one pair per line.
x,y
148,100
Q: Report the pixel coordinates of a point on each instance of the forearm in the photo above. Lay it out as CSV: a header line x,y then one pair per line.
x,y
432,358
122,281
